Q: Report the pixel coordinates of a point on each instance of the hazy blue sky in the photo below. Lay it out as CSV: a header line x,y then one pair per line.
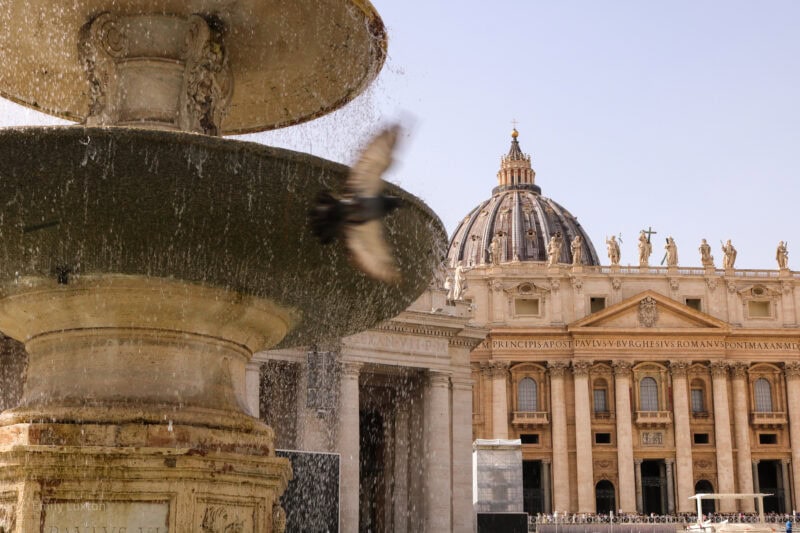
x,y
681,115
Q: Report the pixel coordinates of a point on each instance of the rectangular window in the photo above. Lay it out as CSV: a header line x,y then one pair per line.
x,y
768,438
600,404
597,303
758,309
526,307
602,438
694,303
701,438
529,438
698,402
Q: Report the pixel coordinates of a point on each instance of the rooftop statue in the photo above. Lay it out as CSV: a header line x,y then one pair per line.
x,y
729,259
613,250
645,249
705,254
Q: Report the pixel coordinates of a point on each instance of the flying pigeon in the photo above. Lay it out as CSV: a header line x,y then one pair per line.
x,y
356,215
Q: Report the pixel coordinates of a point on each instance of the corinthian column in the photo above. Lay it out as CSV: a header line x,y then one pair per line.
x,y
683,438
741,426
722,433
793,396
583,437
627,485
499,400
347,443
558,402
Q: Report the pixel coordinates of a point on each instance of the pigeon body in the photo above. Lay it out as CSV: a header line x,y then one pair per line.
x,y
356,215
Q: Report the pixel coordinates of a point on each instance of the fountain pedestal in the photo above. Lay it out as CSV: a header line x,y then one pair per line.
x,y
133,414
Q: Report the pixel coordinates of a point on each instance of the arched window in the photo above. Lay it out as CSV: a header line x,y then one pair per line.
x,y
763,392
527,395
600,396
698,397
648,395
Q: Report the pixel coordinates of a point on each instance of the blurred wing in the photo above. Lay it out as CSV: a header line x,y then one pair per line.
x,y
365,176
370,251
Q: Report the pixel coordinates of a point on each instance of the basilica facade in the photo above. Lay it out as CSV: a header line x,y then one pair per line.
x,y
630,388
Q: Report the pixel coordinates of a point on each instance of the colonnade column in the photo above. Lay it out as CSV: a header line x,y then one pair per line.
x,y
722,434
627,485
741,428
462,453
583,437
792,370
756,484
348,441
668,463
548,505
637,472
401,449
499,371
558,410
683,438
787,492
438,459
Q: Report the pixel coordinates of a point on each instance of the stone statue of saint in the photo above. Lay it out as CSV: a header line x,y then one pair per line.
x,y
459,281
613,250
645,249
705,254
730,255
782,255
494,250
577,250
554,249
672,252
448,286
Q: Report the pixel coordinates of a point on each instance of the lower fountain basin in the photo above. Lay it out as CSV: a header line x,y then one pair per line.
x,y
81,203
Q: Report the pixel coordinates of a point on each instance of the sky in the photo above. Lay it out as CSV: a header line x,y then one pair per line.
x,y
679,115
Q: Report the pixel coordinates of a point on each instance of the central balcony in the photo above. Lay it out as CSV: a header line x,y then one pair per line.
x,y
768,419
530,419
652,419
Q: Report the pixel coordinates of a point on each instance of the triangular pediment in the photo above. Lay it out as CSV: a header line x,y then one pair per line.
x,y
649,310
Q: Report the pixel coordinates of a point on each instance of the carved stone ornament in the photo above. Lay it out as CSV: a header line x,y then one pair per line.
x,y
719,369
787,287
703,464
8,516
278,518
499,369
194,85
497,286
216,520
557,368
731,287
712,283
603,463
555,284
577,283
679,368
648,312
674,284
792,369
739,368
622,368
616,283
581,368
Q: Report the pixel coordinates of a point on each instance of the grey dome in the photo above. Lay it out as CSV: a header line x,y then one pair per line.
x,y
520,216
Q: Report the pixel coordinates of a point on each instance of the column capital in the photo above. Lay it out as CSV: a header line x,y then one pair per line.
x,y
756,461
786,461
739,369
638,462
498,369
719,369
350,369
461,382
679,368
581,367
669,461
622,367
546,461
792,369
557,368
438,379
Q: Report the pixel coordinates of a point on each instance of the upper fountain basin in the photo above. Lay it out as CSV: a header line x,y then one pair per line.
x,y
289,60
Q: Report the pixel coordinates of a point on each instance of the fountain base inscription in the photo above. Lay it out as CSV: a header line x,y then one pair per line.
x,y
105,516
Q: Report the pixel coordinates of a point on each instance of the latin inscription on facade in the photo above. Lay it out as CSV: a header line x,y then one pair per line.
x,y
399,343
639,343
105,517
652,438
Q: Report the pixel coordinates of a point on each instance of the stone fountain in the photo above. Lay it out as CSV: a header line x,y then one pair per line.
x,y
143,258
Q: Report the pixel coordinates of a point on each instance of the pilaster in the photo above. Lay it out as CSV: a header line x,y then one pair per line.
x,y
438,459
627,483
741,425
348,443
722,432
558,410
583,437
683,437
499,372
792,371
